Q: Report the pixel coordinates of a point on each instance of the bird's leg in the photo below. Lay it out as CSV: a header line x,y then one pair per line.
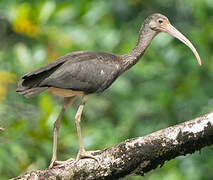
x,y
81,153
67,102
55,135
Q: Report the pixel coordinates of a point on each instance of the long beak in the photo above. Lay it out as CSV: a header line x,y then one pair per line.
x,y
177,34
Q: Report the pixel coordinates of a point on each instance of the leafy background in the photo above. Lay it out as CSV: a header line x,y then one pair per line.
x,y
165,88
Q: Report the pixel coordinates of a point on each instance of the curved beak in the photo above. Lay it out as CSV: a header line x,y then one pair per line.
x,y
168,28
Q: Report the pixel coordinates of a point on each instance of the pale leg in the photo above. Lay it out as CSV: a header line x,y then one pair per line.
x,y
67,102
81,153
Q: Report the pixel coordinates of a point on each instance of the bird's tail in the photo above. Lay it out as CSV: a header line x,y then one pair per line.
x,y
27,91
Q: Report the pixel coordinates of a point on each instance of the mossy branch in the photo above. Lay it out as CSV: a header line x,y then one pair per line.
x,y
135,156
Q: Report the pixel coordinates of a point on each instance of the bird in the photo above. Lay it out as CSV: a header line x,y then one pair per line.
x,y
83,73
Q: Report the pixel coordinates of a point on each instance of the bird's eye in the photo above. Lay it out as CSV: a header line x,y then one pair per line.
x,y
160,21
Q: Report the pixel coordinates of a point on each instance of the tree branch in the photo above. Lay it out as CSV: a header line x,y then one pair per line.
x,y
137,155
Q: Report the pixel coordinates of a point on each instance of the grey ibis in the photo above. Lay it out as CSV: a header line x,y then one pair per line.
x,y
84,73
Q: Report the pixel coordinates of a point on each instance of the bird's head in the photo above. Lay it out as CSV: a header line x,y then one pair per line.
x,y
160,23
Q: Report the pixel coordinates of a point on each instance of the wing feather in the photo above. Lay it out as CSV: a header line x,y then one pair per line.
x,y
88,76
81,71
55,63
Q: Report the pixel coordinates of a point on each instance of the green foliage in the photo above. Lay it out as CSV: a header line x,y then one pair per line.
x,y
166,87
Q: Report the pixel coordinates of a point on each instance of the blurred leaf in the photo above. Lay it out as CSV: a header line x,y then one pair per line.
x,y
5,78
22,22
46,10
166,87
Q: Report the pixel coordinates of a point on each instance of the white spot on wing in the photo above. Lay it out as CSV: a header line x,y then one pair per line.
x,y
102,72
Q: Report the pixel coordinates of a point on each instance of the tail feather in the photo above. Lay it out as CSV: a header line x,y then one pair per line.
x,y
28,93
29,85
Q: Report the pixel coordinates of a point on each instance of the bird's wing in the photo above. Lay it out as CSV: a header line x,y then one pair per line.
x,y
57,62
93,73
34,78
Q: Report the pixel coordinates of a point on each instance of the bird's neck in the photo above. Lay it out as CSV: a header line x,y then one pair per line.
x,y
145,37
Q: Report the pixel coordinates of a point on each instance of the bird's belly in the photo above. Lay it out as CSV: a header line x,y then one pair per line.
x,y
63,92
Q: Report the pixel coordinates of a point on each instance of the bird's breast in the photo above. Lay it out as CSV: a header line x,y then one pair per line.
x,y
63,92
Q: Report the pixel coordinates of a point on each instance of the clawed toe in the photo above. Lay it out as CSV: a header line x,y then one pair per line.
x,y
86,154
52,164
60,163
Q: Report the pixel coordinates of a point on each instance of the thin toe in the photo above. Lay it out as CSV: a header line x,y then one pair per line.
x,y
52,164
60,163
85,154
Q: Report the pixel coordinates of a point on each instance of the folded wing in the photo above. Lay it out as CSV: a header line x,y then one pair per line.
x,y
80,71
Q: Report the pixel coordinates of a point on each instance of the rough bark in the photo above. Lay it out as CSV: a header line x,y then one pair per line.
x,y
135,156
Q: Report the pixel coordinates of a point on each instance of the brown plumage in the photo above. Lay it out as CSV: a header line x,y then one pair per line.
x,y
89,72
84,73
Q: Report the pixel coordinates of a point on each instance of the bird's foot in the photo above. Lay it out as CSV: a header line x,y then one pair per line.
x,y
60,163
86,154
52,163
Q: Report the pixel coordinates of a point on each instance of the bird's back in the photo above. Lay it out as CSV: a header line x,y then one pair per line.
x,y
83,71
